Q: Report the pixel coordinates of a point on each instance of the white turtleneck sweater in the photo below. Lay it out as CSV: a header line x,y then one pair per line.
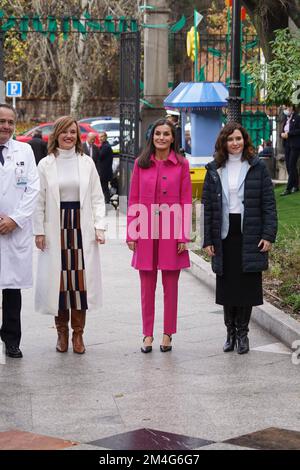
x,y
234,165
68,175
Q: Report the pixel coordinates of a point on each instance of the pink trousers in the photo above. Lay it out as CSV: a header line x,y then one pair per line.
x,y
170,287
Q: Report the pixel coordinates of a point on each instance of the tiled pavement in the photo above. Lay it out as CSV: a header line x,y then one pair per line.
x,y
114,397
151,439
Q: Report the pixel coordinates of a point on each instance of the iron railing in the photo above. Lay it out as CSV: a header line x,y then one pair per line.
x,y
129,105
261,120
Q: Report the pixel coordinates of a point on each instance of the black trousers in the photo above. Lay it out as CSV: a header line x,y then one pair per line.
x,y
11,316
105,189
291,159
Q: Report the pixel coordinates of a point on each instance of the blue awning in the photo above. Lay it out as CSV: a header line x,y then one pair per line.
x,y
198,95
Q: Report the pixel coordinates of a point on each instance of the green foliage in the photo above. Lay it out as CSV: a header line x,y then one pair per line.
x,y
217,20
283,277
288,209
293,300
22,127
15,50
278,77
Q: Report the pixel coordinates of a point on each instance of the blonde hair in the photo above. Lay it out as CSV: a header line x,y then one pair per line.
x,y
61,125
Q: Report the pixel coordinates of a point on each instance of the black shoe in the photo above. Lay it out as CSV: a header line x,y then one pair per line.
x,y
13,351
294,190
242,322
229,320
146,349
166,348
242,344
285,193
230,342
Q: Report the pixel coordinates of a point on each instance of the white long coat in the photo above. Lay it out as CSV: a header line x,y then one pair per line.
x,y
19,187
47,222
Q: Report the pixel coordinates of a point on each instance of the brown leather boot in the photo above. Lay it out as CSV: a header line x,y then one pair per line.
x,y
77,324
61,322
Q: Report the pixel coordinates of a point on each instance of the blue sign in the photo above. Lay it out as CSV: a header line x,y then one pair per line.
x,y
13,89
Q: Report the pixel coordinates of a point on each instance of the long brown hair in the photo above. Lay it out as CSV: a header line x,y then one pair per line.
x,y
144,158
221,152
61,125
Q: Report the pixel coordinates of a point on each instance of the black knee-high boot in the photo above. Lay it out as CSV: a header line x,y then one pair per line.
x,y
229,320
242,321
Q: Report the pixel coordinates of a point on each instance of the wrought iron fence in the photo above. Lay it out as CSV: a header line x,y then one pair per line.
x,y
261,121
129,106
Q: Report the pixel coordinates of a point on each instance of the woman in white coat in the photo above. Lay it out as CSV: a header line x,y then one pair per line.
x,y
68,225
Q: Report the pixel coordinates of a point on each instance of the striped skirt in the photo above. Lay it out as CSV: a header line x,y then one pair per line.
x,y
72,280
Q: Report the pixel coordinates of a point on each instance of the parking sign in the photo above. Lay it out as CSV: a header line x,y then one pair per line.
x,y
13,89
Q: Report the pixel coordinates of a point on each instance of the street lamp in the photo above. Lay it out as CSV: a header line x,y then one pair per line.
x,y
234,99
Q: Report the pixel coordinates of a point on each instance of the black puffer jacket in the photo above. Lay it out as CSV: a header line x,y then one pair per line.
x,y
260,218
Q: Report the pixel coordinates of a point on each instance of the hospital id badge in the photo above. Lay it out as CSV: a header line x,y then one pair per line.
x,y
21,179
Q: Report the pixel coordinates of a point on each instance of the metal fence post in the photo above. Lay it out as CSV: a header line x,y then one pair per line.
x,y
234,99
2,84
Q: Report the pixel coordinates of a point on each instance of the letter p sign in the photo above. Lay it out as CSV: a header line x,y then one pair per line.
x,y
13,89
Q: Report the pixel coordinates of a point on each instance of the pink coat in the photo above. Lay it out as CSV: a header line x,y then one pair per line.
x,y
164,214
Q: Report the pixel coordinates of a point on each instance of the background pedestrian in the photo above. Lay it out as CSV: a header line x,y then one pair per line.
x,y
291,142
38,145
104,164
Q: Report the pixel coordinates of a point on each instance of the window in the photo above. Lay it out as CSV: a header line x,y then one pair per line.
x,y
106,126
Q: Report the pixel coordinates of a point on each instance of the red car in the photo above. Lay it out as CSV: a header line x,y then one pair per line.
x,y
47,128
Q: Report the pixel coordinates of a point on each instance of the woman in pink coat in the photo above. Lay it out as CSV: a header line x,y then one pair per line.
x,y
158,226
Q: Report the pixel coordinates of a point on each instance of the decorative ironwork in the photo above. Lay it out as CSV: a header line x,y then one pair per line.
x,y
53,26
234,112
129,106
261,120
214,57
234,100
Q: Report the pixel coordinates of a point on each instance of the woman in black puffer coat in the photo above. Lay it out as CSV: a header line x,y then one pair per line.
x,y
240,225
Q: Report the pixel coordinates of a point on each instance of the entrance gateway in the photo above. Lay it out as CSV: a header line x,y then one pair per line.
x,y
130,47
129,108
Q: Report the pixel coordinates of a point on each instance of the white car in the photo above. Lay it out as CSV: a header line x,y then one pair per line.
x,y
112,128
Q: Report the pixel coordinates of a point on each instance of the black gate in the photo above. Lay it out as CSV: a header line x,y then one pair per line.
x,y
129,108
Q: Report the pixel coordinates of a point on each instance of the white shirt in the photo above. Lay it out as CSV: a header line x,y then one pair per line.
x,y
287,124
68,175
234,165
90,149
5,150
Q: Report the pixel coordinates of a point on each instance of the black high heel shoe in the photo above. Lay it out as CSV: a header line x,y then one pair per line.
x,y
166,348
146,349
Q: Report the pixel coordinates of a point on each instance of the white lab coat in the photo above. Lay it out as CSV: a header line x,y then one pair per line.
x,y
47,222
19,188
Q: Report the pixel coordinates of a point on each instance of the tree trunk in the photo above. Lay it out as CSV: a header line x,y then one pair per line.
x,y
267,16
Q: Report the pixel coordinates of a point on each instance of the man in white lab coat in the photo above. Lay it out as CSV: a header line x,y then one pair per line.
x,y
19,188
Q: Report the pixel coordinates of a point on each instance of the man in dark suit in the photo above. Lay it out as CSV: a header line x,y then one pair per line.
x,y
39,146
291,142
89,146
174,118
104,165
267,150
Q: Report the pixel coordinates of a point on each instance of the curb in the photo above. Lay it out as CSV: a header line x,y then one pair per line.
x,y
270,318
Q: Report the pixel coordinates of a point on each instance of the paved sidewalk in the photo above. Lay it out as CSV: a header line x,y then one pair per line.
x,y
196,392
